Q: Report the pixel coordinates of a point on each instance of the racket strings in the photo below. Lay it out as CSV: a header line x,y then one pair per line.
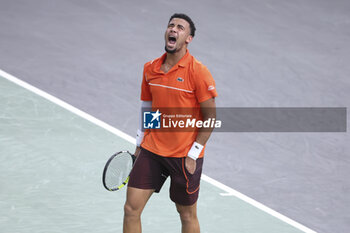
x,y
118,170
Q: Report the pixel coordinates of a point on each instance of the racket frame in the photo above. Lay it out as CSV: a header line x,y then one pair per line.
x,y
106,168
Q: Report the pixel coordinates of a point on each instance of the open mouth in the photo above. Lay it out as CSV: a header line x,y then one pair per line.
x,y
172,39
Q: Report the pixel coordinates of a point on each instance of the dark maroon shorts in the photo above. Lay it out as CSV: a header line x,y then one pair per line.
x,y
150,172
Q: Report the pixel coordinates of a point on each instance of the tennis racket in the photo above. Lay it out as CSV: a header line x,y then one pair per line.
x,y
117,169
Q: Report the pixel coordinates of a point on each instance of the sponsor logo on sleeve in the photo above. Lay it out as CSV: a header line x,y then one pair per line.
x,y
211,87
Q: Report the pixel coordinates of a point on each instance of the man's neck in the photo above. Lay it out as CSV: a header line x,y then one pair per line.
x,y
173,58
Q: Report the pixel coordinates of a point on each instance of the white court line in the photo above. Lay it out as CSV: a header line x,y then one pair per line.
x,y
230,191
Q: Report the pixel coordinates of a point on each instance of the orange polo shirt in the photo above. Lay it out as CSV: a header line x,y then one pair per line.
x,y
185,85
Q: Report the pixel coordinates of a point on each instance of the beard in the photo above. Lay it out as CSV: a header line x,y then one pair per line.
x,y
170,51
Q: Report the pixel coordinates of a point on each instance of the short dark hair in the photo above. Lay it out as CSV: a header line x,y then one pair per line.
x,y
188,19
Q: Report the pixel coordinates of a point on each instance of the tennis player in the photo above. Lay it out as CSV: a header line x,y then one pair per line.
x,y
176,79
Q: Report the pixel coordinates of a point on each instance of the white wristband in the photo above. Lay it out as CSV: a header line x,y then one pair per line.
x,y
139,137
195,150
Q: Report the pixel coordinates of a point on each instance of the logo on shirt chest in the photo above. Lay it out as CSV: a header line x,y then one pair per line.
x,y
180,79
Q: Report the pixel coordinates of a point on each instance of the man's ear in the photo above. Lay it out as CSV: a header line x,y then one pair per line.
x,y
189,39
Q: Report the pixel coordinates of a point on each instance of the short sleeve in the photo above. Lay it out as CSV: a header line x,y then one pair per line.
x,y
145,88
205,84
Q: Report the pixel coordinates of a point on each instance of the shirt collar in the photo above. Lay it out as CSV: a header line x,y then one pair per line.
x,y
183,61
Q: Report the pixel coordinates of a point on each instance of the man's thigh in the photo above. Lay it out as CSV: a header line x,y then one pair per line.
x,y
136,199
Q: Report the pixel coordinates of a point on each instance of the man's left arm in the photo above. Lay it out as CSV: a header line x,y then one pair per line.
x,y
208,110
